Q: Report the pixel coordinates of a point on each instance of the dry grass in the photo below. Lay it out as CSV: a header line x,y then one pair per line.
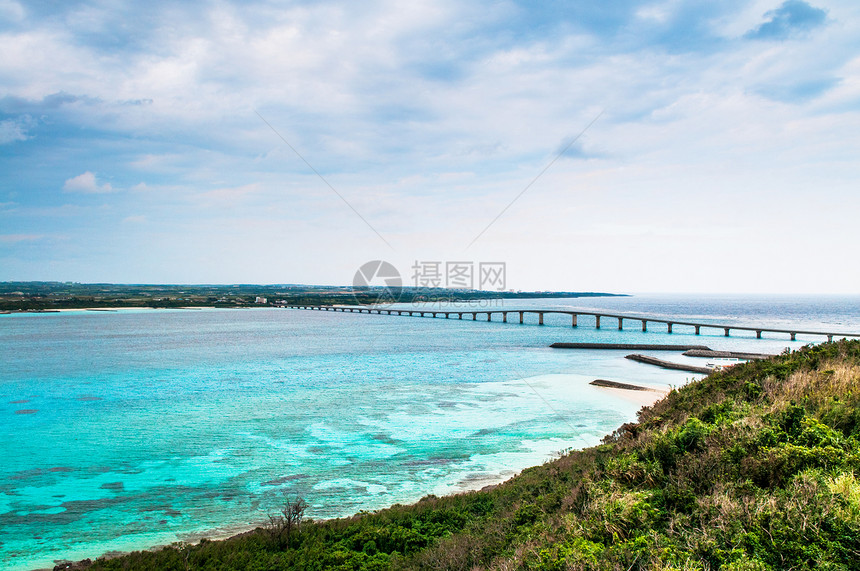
x,y
831,379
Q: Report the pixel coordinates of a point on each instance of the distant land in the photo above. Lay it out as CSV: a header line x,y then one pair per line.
x,y
48,296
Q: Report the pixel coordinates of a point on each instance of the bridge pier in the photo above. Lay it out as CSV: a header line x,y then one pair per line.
x,y
573,320
829,338
597,322
474,316
644,325
504,317
461,315
620,323
794,336
540,318
521,317
726,329
758,334
489,316
669,328
697,328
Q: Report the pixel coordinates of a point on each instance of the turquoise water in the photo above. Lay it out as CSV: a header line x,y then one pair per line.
x,y
123,430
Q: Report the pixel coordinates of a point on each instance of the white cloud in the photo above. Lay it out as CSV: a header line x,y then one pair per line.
x,y
430,116
15,238
12,130
11,10
87,184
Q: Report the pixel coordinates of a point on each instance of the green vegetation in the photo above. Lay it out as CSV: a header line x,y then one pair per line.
x,y
47,296
753,468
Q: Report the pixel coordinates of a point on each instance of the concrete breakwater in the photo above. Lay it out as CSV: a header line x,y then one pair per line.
x,y
727,354
630,346
668,364
617,385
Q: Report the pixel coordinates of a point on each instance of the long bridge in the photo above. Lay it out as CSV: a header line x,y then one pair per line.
x,y
574,315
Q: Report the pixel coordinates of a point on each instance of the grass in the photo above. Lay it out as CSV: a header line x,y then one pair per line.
x,y
753,468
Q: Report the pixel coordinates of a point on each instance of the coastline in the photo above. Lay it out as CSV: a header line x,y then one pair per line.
x,y
469,483
466,485
111,309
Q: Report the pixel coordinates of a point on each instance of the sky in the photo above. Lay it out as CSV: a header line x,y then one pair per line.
x,y
628,146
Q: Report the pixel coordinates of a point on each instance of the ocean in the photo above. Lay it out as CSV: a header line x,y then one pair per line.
x,y
127,429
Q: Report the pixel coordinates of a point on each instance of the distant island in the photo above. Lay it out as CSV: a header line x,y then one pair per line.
x,y
48,296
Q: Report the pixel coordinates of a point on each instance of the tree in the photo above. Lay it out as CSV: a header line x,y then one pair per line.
x,y
287,521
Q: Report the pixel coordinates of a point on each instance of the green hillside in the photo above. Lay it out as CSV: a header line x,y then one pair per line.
x,y
751,468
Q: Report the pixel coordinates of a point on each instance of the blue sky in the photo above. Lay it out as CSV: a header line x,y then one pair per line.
x,y
134,144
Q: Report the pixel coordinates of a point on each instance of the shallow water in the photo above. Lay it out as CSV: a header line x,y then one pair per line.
x,y
122,430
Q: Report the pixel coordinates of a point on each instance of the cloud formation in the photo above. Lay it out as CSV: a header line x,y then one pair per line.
x,y
12,130
86,183
15,238
429,117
